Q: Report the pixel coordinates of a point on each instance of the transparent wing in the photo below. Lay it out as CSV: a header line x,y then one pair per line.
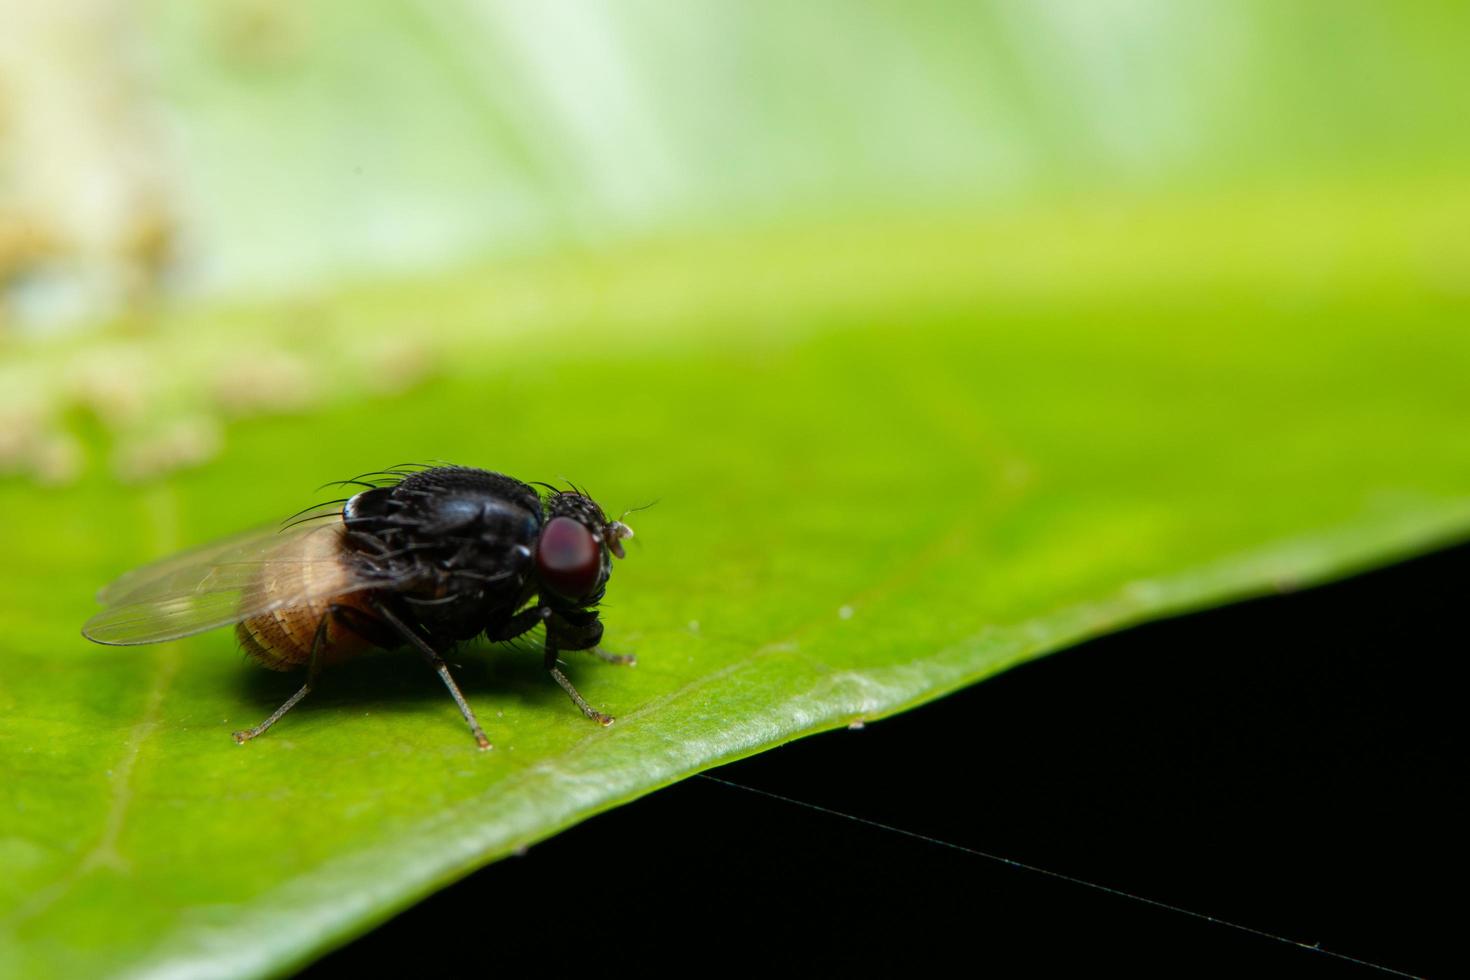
x,y
238,578
183,570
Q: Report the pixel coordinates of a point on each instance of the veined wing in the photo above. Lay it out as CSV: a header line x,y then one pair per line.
x,y
238,578
181,572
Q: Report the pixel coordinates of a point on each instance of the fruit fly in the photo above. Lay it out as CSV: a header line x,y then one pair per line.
x,y
421,558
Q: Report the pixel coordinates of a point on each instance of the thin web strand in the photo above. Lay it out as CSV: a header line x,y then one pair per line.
x,y
1310,947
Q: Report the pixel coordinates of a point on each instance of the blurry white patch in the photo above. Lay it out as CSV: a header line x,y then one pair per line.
x,y
187,441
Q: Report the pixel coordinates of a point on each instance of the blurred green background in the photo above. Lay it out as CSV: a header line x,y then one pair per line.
x,y
167,156
158,156
947,334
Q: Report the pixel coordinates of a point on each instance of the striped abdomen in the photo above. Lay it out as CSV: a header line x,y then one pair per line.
x,y
282,639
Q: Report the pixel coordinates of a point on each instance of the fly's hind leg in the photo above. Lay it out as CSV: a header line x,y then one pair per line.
x,y
313,667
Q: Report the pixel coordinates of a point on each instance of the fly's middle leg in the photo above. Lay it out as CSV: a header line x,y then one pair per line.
x,y
436,663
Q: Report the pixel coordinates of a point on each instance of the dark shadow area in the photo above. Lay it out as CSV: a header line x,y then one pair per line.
x,y
1293,764
390,680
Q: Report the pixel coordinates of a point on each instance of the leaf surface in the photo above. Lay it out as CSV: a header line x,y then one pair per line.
x,y
884,469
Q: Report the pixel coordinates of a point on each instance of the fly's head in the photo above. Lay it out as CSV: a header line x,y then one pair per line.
x,y
575,549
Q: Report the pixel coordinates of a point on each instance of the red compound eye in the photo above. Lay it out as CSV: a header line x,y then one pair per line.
x,y
568,558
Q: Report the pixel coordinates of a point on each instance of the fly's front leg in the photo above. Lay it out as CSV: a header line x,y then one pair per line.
x,y
621,659
437,664
522,622
575,630
528,619
554,665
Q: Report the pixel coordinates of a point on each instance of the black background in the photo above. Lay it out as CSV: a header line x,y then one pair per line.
x,y
1292,764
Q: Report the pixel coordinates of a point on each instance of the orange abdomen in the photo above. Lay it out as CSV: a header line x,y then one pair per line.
x,y
282,639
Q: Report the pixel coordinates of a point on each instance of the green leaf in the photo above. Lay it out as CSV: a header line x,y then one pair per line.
x,y
890,460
